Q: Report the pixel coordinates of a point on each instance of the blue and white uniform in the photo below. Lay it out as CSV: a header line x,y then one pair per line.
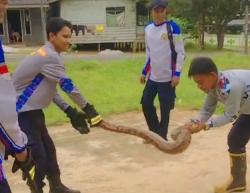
x,y
36,80
11,136
160,69
158,52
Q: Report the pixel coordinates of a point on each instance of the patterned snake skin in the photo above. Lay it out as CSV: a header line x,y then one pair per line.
x,y
181,137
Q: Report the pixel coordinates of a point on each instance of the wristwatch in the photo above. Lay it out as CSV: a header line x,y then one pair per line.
x,y
208,124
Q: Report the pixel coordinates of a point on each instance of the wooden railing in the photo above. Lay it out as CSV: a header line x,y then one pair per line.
x,y
109,35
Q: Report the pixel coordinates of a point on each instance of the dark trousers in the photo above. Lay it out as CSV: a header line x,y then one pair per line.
x,y
239,135
42,147
166,95
4,187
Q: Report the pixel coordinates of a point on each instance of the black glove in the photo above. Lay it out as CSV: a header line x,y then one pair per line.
x,y
77,120
27,167
93,116
7,153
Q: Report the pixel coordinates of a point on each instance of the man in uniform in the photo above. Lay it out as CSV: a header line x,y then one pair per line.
x,y
232,89
11,136
36,80
164,60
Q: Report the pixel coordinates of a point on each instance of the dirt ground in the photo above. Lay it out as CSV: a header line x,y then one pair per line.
x,y
106,162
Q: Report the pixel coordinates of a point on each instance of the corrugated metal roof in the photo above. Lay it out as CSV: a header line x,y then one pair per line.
x,y
27,3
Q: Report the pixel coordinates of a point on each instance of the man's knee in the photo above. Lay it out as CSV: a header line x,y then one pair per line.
x,y
38,154
148,108
235,144
49,148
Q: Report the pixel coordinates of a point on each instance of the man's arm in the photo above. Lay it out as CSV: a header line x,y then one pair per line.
x,y
93,116
201,121
232,105
60,102
72,91
179,48
77,119
11,135
208,108
147,67
54,70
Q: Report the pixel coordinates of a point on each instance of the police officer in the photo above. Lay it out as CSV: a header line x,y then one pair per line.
x,y
35,80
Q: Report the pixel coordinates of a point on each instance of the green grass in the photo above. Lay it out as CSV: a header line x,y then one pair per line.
x,y
113,86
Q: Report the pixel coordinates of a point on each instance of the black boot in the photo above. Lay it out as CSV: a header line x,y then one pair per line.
x,y
56,186
237,182
32,187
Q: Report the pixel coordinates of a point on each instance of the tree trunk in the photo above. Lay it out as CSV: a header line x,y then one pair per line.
x,y
201,31
220,37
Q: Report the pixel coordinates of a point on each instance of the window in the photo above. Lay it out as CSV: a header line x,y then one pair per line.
x,y
27,22
115,16
1,29
142,14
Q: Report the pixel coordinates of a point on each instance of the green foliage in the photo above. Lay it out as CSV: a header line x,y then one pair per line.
x,y
185,25
213,12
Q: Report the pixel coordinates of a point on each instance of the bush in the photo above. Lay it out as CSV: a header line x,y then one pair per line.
x,y
191,45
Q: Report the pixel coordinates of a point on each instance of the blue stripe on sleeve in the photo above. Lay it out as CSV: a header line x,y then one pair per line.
x,y
7,141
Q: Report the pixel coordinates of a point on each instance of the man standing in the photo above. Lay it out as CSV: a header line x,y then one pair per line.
x,y
36,80
11,137
164,60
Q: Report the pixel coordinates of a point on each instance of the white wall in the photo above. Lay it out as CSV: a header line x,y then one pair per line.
x,y
94,11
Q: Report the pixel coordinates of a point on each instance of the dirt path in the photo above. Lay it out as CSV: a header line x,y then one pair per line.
x,y
106,162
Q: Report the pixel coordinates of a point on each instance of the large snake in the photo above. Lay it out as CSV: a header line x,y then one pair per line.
x,y
181,137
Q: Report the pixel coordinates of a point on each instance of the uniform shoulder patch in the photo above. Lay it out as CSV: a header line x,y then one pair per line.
x,y
224,86
41,52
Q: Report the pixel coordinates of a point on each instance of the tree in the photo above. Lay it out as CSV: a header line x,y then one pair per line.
x,y
200,9
221,13
200,13
196,12
214,12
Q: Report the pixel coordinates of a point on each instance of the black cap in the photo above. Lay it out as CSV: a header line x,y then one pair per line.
x,y
158,3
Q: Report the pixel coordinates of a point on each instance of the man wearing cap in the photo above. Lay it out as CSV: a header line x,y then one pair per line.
x,y
164,60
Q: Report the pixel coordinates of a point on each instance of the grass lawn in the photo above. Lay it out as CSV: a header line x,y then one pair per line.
x,y
113,86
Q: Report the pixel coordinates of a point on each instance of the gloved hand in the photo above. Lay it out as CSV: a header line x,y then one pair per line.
x,y
8,153
27,166
77,120
93,116
28,169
